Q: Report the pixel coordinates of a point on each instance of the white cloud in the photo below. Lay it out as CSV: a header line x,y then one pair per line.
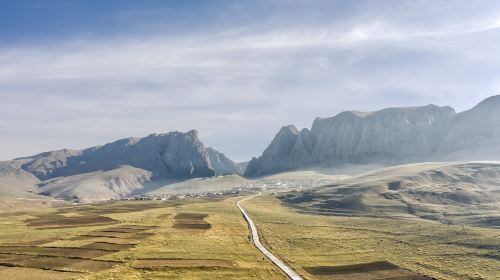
x,y
239,85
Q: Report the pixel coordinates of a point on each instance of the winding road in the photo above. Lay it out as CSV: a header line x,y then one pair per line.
x,y
256,240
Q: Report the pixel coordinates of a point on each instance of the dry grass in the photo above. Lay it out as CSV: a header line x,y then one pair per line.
x,y
54,263
141,242
374,270
423,247
25,273
48,251
189,263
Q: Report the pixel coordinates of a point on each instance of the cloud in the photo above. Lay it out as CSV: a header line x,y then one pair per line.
x,y
238,83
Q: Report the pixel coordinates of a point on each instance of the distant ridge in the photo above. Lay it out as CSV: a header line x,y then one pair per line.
x,y
119,168
389,136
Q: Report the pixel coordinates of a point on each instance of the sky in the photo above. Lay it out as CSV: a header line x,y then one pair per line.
x,y
75,74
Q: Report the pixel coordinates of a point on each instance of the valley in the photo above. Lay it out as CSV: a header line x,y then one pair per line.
x,y
208,238
345,200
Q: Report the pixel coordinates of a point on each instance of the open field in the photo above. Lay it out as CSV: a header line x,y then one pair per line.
x,y
333,247
188,239
209,239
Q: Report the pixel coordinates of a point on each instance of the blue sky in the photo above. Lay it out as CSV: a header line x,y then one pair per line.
x,y
79,73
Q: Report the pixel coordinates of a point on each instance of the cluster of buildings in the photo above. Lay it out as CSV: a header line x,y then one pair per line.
x,y
252,186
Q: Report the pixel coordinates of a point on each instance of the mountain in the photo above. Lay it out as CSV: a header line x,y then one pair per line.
x,y
97,185
119,168
475,133
276,157
461,193
16,182
222,165
170,155
389,136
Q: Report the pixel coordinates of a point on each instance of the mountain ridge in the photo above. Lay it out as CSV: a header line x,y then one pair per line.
x,y
122,167
393,135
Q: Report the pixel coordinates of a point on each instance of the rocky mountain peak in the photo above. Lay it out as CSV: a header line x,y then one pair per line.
x,y
174,155
388,136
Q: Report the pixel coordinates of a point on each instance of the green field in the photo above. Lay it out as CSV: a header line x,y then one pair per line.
x,y
208,239
131,240
309,242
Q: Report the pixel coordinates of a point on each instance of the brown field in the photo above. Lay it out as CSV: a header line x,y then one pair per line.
x,y
60,221
53,251
191,221
107,246
54,263
164,243
166,263
368,271
114,234
65,242
92,239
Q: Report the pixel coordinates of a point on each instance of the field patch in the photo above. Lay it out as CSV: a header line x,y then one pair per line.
x,y
26,273
53,251
173,263
54,263
191,221
54,221
365,271
117,207
107,246
113,234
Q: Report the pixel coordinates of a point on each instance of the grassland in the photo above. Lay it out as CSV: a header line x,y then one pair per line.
x,y
333,247
196,239
208,239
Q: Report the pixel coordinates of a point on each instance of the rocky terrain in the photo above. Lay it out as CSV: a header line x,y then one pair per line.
x,y
389,136
116,169
133,166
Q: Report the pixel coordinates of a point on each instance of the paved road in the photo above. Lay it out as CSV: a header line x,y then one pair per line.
x,y
255,237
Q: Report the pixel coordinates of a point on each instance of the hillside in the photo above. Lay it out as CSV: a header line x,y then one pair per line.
x,y
447,192
121,168
98,185
388,136
16,182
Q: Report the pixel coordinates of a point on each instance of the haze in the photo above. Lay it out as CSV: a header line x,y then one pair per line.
x,y
85,74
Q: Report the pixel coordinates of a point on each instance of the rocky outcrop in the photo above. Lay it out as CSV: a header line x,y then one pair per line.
x,y
388,136
222,165
124,167
277,155
475,133
172,155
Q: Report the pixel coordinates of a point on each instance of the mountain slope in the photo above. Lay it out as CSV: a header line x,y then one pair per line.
x,y
447,192
119,168
222,165
169,155
98,185
15,182
475,133
389,136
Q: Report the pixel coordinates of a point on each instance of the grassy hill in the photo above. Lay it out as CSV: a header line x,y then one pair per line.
x,y
447,192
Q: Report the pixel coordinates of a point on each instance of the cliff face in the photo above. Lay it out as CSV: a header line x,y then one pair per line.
x,y
172,155
475,133
276,156
222,165
388,136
